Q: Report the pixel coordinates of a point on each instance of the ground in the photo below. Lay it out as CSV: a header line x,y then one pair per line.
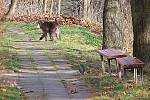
x,y
50,70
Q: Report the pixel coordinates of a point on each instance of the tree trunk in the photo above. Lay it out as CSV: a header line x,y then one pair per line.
x,y
1,18
12,7
117,25
51,9
141,28
87,10
1,9
44,6
59,7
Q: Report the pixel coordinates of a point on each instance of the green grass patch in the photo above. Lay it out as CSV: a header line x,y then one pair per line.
x,y
101,84
79,44
10,94
119,87
6,49
5,46
26,29
81,35
13,64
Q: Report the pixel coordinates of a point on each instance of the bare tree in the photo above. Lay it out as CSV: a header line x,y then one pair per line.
x,y
51,8
87,10
12,7
1,9
44,6
59,7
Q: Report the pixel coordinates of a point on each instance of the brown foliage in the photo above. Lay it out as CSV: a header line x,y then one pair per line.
x,y
2,10
7,83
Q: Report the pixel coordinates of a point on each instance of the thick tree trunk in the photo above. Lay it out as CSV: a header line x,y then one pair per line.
x,y
141,28
117,24
12,7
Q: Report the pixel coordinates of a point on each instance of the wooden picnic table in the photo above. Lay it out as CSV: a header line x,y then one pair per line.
x,y
110,54
130,63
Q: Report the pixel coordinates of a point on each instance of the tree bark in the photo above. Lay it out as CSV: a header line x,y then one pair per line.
x,y
45,6
89,16
59,7
51,8
1,9
117,25
87,10
141,28
12,8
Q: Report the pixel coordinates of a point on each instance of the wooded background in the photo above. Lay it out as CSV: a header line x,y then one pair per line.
x,y
91,10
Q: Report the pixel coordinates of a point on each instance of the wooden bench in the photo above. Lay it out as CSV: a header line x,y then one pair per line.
x,y
110,54
126,63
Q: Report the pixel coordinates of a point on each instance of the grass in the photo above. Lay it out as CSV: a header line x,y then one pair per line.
x,y
78,45
12,64
10,94
109,88
5,46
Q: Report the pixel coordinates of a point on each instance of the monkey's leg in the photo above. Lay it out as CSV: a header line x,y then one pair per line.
x,y
53,36
58,35
50,35
45,35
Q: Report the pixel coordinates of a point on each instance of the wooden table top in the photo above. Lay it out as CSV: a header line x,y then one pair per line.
x,y
111,53
130,61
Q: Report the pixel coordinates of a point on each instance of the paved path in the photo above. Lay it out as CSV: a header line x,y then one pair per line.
x,y
45,77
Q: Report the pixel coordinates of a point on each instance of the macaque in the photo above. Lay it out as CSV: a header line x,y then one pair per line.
x,y
52,28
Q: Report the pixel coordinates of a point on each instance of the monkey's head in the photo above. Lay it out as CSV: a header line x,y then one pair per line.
x,y
59,20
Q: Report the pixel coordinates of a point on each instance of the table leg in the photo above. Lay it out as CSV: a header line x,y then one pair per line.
x,y
120,70
141,75
109,67
125,76
135,75
102,62
116,66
